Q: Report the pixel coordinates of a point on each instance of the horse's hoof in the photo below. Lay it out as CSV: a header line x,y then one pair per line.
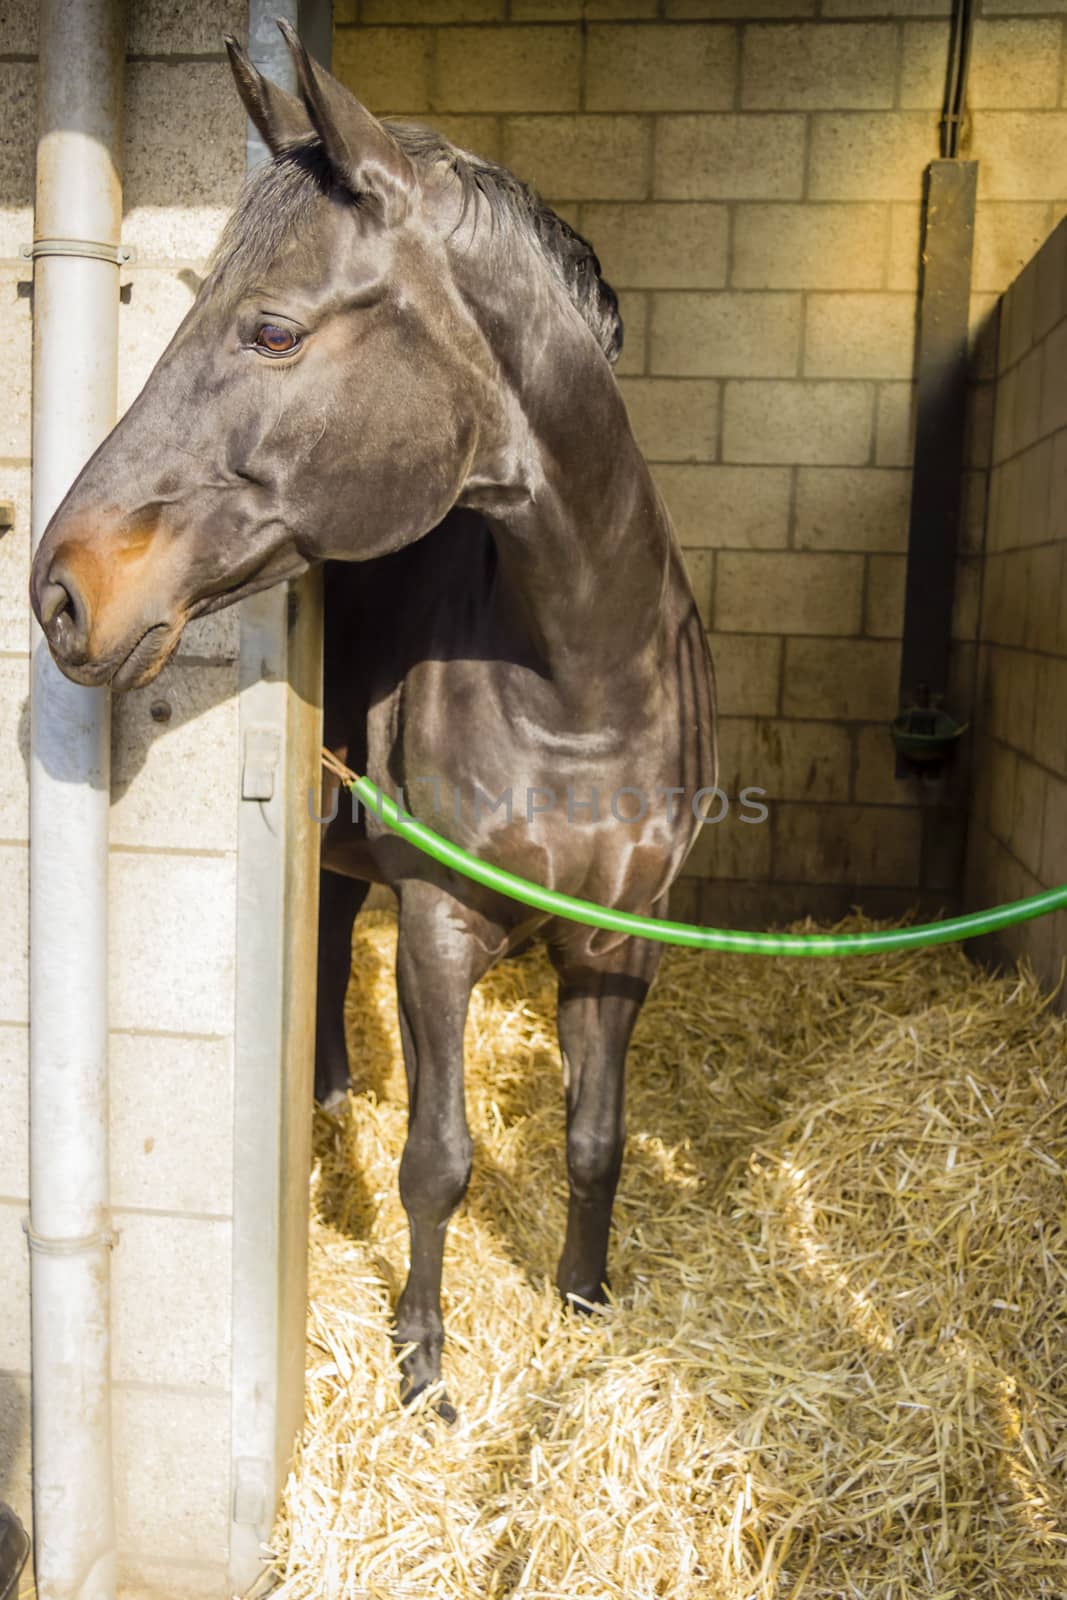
x,y
441,1405
446,1410
334,1104
585,1304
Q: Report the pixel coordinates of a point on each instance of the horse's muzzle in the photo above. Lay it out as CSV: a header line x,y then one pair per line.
x,y
63,612
97,635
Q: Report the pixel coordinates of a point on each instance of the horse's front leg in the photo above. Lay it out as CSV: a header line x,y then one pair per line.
x,y
597,1008
437,965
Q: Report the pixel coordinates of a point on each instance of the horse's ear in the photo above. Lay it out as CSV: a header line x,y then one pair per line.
x,y
280,118
363,155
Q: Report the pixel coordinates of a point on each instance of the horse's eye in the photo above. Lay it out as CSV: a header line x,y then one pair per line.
x,y
279,341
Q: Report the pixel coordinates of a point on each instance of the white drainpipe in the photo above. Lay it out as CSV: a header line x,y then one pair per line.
x,y
75,364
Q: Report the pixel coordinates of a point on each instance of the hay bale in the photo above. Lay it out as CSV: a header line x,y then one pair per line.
x,y
834,1363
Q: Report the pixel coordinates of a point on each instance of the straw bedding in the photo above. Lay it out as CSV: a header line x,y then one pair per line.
x,y
836,1359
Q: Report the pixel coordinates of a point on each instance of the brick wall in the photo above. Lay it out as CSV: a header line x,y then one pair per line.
x,y
173,851
751,175
1018,825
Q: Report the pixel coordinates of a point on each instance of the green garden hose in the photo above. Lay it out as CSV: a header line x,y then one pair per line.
x,y
682,933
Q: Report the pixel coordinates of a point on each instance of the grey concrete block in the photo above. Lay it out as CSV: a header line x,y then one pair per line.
x,y
158,299
660,246
725,334
184,27
870,155
141,1578
15,561
388,68
172,1458
788,760
809,247
172,938
14,1111
16,331
791,592
859,336
814,68
809,423
581,158
633,308
850,679
15,1451
18,28
18,118
15,1300
740,508
15,742
852,508
673,419
675,68
1021,154
868,845
726,157
747,672
431,11
185,157
895,425
14,896
170,1295
175,766
161,1161
507,69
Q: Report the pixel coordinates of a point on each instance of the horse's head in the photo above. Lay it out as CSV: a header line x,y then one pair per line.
x,y
327,395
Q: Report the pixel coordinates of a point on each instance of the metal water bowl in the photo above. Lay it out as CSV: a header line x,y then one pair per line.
x,y
925,734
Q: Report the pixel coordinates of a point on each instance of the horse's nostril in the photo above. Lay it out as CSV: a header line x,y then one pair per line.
x,y
63,613
54,599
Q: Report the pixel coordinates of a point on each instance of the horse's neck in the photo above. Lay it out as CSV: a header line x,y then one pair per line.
x,y
582,538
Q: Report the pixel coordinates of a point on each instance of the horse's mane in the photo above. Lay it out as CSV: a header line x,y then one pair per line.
x,y
514,204
278,196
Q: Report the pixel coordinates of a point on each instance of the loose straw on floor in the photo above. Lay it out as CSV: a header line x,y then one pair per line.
x,y
834,1365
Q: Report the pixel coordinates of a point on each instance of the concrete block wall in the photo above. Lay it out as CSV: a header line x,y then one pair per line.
x,y
173,857
750,172
18,94
1018,825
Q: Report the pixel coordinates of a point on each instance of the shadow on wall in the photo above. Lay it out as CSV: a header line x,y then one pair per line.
x,y
161,710
175,110
15,1444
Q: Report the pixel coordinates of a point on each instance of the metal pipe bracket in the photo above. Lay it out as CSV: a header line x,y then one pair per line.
x,y
42,1245
86,249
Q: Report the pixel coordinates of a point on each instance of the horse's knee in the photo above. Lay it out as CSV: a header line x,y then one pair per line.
x,y
434,1175
594,1157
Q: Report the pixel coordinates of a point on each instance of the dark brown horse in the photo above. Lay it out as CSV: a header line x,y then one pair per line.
x,y
401,364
